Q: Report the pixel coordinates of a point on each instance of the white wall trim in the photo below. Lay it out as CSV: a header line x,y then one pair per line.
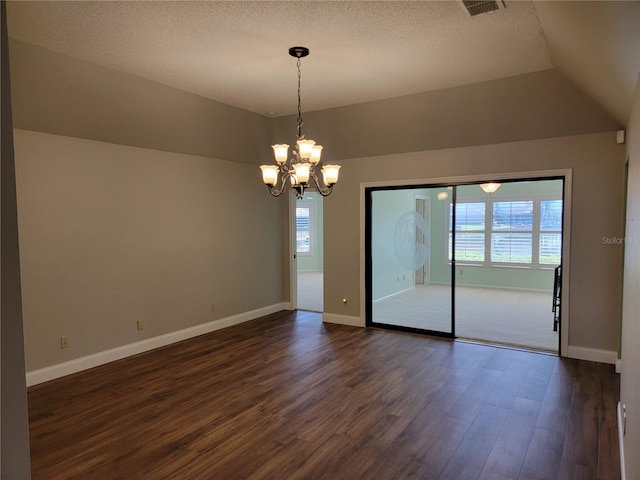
x,y
618,366
83,363
343,319
592,354
623,470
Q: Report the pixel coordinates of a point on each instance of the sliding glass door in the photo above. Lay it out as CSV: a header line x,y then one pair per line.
x,y
409,277
458,261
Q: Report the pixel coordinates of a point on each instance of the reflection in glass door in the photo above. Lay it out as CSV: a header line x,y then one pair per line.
x,y
408,274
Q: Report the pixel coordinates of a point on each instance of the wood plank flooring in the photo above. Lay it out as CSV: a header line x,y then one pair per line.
x,y
287,397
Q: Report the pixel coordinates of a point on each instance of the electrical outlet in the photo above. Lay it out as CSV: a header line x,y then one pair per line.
x,y
140,324
64,342
213,307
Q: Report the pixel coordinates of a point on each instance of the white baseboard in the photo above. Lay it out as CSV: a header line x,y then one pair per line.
x,y
592,354
77,365
342,319
623,474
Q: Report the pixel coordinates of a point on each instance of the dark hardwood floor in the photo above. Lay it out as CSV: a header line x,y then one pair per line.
x,y
287,397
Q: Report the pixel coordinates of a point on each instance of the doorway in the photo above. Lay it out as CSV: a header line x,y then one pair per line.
x,y
309,252
477,265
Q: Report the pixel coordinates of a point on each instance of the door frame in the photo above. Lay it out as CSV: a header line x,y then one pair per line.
x,y
292,304
565,174
426,268
292,261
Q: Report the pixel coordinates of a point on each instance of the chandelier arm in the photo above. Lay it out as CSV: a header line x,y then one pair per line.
x,y
326,192
276,192
273,191
322,191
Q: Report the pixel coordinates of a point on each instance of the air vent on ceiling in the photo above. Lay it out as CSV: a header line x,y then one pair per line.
x,y
478,7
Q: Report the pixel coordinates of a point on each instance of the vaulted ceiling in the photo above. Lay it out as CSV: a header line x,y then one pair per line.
x,y
236,51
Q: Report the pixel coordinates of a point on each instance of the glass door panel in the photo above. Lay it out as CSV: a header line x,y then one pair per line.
x,y
508,243
409,273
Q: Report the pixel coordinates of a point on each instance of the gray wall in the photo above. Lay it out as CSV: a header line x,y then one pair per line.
x,y
630,352
536,105
598,167
62,95
388,275
112,234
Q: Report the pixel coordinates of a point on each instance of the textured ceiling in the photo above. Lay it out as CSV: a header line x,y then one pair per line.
x,y
236,51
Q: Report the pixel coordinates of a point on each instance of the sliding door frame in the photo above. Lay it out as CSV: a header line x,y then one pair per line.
x,y
365,234
369,265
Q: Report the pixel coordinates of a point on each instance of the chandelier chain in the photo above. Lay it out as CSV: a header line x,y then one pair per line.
x,y
300,122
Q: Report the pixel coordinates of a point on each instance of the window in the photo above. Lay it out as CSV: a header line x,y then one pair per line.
x,y
512,232
521,232
550,232
470,226
303,230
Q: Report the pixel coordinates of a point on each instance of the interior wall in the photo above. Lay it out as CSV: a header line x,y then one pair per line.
x,y
630,351
112,234
388,275
58,94
598,165
535,105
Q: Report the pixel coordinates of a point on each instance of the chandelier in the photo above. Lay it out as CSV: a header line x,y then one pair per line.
x,y
299,171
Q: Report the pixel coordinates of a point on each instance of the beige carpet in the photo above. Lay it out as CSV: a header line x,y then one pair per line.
x,y
511,317
310,291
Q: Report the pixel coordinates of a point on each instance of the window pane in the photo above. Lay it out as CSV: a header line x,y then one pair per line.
x,y
512,216
550,215
511,247
302,217
303,236
469,247
303,244
550,248
469,216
